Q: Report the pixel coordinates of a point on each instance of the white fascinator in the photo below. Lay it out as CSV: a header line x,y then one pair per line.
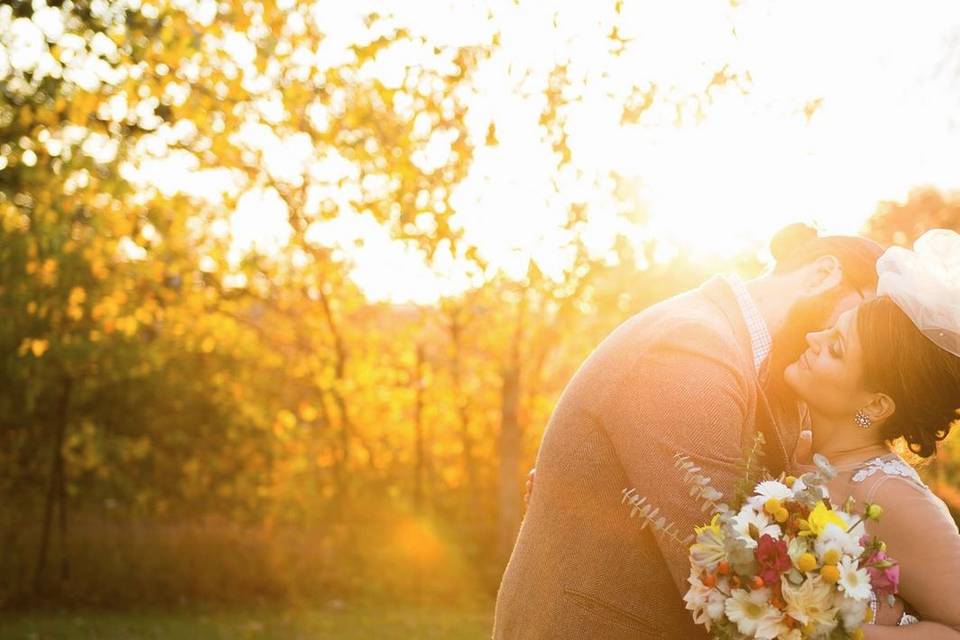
x,y
925,283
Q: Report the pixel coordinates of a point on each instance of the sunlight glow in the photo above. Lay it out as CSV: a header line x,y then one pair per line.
x,y
843,109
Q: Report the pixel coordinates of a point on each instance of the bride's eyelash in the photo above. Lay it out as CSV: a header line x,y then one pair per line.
x,y
835,350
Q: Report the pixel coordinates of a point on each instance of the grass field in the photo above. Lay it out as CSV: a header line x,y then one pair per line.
x,y
347,623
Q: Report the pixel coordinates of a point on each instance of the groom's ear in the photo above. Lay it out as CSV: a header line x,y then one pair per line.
x,y
822,275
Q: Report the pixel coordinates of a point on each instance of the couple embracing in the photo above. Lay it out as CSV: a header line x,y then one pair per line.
x,y
841,349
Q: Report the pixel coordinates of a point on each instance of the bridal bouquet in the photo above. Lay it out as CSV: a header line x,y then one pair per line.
x,y
782,562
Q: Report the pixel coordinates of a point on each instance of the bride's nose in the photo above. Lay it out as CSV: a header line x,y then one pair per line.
x,y
813,340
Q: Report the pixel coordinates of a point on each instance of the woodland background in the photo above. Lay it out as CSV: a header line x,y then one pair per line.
x,y
183,425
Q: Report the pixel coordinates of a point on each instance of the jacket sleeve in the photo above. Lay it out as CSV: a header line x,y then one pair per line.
x,y
679,398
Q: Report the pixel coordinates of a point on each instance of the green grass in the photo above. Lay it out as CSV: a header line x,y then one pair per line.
x,y
349,623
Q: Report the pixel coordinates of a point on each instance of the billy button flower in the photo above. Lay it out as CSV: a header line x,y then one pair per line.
x,y
871,512
806,562
830,574
776,509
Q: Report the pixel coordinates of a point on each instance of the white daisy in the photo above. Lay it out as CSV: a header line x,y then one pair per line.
x,y
747,516
854,582
753,614
833,537
773,489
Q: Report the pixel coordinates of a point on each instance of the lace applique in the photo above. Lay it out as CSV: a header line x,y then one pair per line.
x,y
889,466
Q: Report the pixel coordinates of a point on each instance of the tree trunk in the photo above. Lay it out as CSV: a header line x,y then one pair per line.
x,y
420,463
510,446
463,416
510,442
56,493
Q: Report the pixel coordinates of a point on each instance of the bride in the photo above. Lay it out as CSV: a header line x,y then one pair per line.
x,y
890,369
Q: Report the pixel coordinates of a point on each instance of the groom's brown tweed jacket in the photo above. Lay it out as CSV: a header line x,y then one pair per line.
x,y
677,378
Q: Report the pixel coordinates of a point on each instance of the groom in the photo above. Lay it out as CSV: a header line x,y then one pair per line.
x,y
699,375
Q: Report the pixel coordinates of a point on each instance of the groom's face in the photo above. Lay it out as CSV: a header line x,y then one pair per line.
x,y
809,315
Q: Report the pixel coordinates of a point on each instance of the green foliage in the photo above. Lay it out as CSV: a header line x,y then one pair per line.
x,y
751,471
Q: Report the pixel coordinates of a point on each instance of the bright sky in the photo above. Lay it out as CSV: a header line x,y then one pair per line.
x,y
886,75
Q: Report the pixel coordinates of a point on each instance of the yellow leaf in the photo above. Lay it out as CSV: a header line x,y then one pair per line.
x,y
286,419
208,344
77,296
39,347
307,412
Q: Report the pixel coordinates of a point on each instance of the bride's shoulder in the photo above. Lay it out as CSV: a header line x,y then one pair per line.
x,y
897,487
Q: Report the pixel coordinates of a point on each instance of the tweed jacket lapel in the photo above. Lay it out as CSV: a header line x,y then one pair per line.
x,y
776,458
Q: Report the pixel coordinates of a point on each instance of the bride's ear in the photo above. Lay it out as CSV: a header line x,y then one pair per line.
x,y
880,408
825,274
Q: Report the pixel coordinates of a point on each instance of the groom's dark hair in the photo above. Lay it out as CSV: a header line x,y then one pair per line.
x,y
799,245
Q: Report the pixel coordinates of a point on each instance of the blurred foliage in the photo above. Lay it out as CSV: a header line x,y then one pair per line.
x,y
179,423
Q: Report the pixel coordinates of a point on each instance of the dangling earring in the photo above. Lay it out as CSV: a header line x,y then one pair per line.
x,y
863,420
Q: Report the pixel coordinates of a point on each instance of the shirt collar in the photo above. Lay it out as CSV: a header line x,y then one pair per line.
x,y
760,340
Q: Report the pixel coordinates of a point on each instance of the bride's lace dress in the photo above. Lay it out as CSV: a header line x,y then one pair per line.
x,y
918,529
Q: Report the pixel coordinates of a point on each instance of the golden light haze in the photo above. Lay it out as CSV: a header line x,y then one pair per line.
x,y
830,108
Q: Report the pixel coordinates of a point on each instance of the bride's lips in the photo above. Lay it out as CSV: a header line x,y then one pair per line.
x,y
803,363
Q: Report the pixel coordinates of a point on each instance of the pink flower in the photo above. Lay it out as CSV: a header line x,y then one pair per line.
x,y
773,559
885,578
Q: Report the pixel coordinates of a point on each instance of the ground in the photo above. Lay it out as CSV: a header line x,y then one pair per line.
x,y
332,622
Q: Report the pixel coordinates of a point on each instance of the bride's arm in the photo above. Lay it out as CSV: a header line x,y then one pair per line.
x,y
923,538
919,631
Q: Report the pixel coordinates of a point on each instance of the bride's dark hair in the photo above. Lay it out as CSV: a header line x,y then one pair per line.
x,y
922,378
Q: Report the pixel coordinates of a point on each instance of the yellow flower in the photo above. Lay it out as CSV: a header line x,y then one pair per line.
x,y
713,527
821,516
830,574
874,511
807,562
832,556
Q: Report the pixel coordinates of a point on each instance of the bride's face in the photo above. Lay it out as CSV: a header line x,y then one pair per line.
x,y
829,374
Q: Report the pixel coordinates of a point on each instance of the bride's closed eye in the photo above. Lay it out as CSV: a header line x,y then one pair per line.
x,y
836,345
